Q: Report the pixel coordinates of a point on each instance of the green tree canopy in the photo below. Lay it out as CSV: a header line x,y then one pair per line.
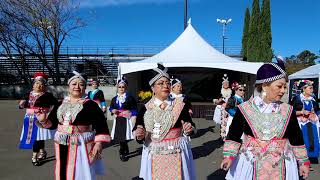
x,y
245,35
266,53
254,33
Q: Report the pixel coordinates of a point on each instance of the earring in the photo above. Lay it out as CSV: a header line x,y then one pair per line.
x,y
263,94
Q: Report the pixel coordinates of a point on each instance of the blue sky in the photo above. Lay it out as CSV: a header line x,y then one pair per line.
x,y
295,23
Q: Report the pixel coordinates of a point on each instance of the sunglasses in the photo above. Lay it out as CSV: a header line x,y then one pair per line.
x,y
241,90
121,87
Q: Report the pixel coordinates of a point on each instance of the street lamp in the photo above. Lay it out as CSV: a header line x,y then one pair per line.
x,y
224,24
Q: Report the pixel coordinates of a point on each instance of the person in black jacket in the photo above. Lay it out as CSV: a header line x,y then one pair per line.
x,y
163,126
81,132
32,136
124,108
176,92
307,111
272,141
97,95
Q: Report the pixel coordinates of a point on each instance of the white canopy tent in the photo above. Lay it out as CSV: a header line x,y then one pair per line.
x,y
192,57
312,72
309,72
190,50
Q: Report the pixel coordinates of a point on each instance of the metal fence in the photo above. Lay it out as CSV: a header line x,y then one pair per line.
x,y
107,58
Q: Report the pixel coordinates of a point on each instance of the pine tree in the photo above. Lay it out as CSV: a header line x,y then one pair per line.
x,y
245,35
266,36
254,33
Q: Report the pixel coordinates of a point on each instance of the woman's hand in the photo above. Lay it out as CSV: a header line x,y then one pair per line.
x,y
22,104
187,127
226,163
97,150
140,132
115,111
126,113
41,115
313,117
304,171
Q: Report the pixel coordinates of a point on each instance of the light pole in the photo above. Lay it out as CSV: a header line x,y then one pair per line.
x,y
185,13
224,23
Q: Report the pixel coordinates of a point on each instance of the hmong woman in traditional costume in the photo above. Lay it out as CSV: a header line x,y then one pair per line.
x,y
124,108
307,111
163,126
231,107
81,132
97,95
273,141
226,93
32,136
176,92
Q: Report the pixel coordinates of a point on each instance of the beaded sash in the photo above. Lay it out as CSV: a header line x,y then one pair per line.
x,y
267,157
169,145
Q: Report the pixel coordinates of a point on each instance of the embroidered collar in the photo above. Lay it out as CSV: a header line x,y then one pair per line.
x,y
95,91
173,95
36,93
264,107
303,98
158,102
226,93
121,98
238,98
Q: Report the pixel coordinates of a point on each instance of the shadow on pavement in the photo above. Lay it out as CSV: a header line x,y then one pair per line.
x,y
135,153
217,175
136,178
109,144
206,148
201,132
48,159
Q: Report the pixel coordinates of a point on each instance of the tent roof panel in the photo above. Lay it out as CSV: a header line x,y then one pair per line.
x,y
309,72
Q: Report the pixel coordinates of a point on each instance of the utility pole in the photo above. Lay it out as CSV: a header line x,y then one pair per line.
x,y
185,13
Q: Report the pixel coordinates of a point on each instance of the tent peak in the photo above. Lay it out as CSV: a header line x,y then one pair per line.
x,y
189,21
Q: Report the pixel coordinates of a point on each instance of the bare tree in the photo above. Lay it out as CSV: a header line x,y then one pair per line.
x,y
42,26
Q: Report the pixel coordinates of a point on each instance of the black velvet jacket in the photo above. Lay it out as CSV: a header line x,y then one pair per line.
x,y
240,125
129,104
297,104
45,100
91,114
98,96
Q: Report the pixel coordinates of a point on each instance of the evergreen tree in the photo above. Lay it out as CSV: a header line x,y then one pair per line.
x,y
254,33
245,35
266,36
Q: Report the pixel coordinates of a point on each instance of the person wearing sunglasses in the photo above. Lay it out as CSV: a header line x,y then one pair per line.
x,y
97,95
124,108
231,107
164,126
265,140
